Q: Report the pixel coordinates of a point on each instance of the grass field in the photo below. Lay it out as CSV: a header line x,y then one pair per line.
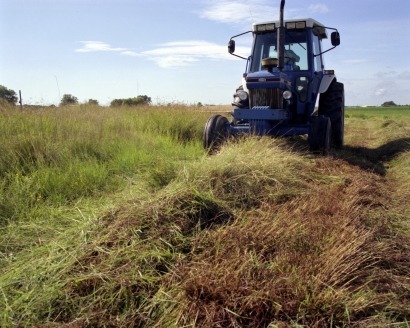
x,y
117,218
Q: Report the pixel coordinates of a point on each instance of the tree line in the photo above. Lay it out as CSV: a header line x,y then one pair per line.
x,y
10,96
69,99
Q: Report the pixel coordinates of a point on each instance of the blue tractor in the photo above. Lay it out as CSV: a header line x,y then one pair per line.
x,y
284,78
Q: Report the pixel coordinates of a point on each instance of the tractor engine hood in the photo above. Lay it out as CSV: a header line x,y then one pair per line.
x,y
268,80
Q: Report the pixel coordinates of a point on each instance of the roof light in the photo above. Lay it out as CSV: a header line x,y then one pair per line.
x,y
300,24
265,27
270,27
261,28
296,25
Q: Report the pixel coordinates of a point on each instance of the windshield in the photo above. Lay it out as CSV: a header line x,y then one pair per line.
x,y
295,50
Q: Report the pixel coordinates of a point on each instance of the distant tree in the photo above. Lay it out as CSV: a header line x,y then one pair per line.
x,y
130,102
68,100
116,102
92,102
135,101
199,104
143,100
389,104
8,95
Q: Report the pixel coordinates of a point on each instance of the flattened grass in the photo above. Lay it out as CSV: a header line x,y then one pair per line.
x,y
314,260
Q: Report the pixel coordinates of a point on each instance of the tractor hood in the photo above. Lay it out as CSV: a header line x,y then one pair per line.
x,y
267,80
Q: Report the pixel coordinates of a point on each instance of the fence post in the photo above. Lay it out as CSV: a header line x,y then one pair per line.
x,y
20,101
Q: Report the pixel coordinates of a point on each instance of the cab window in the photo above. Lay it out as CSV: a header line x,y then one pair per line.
x,y
316,51
295,50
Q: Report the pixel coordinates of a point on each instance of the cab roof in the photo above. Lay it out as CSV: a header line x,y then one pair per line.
x,y
292,24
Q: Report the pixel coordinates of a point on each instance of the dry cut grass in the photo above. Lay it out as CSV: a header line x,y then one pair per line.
x,y
316,260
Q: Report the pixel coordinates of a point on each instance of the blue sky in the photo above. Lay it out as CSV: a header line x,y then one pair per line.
x,y
176,51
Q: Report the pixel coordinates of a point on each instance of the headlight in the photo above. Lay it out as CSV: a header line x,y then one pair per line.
x,y
287,95
242,95
240,98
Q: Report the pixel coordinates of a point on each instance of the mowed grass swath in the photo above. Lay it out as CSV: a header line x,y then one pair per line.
x,y
117,217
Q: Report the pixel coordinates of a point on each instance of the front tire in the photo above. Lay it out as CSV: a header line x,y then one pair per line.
x,y
319,134
216,132
332,105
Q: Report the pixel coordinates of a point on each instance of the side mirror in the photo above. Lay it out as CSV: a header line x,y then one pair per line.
x,y
335,39
231,46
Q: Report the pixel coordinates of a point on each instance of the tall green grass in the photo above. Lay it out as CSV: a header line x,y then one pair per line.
x,y
63,157
120,219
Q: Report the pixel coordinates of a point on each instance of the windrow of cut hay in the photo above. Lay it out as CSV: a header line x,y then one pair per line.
x,y
324,257
254,236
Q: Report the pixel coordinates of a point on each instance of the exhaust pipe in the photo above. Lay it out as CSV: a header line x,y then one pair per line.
x,y
281,37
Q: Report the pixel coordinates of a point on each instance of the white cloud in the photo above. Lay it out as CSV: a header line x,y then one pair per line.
x,y
227,12
173,61
193,48
183,53
245,12
130,53
234,11
171,54
96,46
318,8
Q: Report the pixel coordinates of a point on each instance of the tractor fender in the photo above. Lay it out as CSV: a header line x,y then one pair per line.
x,y
327,79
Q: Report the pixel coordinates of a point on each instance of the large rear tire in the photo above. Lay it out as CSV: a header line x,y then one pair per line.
x,y
216,132
332,105
319,134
